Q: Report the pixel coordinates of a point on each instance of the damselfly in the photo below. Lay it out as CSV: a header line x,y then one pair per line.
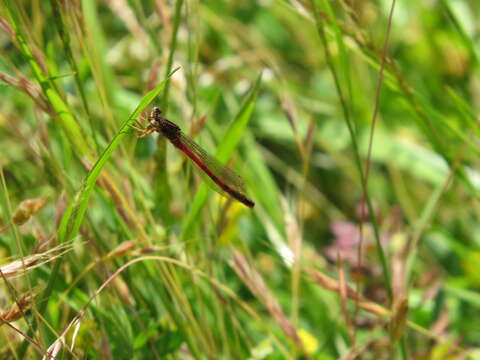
x,y
223,180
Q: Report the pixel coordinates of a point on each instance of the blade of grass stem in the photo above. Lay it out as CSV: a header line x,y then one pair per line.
x,y
65,37
173,46
69,227
163,193
351,129
67,120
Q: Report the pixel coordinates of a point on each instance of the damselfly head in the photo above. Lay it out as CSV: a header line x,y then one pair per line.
x,y
156,112
154,117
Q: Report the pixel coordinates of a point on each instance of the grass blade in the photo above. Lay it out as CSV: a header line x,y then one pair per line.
x,y
69,226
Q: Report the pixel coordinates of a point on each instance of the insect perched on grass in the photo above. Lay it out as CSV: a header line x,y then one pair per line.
x,y
224,180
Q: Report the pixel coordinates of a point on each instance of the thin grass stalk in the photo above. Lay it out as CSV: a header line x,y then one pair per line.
x,y
163,195
65,38
376,309
370,146
5,202
173,46
182,265
358,162
67,120
194,42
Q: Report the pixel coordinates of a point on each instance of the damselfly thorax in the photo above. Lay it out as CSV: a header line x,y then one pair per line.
x,y
167,128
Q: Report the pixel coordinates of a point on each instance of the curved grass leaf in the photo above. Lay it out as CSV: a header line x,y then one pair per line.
x,y
75,213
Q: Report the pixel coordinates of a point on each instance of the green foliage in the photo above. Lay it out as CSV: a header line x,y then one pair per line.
x,y
348,121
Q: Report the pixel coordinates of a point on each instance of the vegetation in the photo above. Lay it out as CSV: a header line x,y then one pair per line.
x,y
353,123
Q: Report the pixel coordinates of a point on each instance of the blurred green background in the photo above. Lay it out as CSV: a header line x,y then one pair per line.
x,y
353,123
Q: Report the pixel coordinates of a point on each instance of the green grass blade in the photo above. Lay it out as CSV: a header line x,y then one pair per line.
x,y
63,32
173,46
75,213
67,120
69,226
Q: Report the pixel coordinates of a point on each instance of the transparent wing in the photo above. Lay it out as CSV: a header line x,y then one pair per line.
x,y
223,173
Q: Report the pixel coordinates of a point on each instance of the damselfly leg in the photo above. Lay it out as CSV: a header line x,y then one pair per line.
x,y
143,131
